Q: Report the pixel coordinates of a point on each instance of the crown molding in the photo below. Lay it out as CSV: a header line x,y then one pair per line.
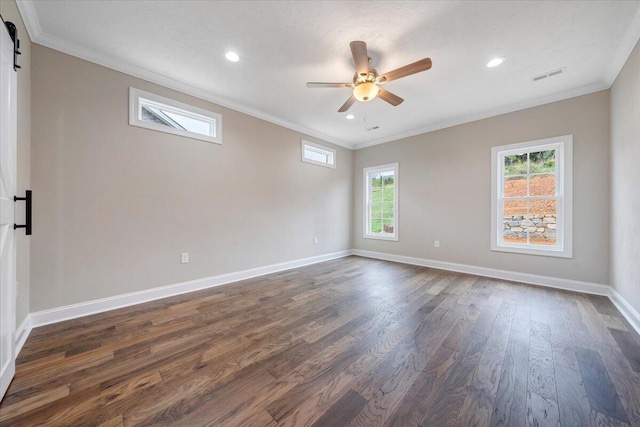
x,y
30,18
37,35
572,93
629,41
28,12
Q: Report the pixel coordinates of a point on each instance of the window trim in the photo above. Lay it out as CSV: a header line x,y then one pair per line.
x,y
366,188
134,113
564,195
318,147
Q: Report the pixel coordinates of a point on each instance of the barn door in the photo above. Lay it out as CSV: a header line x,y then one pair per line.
x,y
7,210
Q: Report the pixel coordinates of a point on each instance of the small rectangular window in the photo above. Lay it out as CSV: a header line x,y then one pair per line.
x,y
155,112
381,202
318,154
531,197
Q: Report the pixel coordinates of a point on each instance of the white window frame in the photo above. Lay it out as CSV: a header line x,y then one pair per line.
x,y
367,196
321,149
564,196
135,110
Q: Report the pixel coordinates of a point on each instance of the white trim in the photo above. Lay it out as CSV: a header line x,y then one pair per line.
x,y
632,316
323,149
30,18
54,315
60,314
215,119
468,118
365,187
22,333
564,194
629,41
533,279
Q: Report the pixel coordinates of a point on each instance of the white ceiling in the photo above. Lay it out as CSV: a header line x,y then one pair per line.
x,y
282,45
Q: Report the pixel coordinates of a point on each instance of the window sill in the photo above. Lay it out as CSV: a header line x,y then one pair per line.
x,y
165,129
533,251
374,237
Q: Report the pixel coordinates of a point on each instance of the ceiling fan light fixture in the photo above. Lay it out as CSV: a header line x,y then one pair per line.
x,y
365,91
350,117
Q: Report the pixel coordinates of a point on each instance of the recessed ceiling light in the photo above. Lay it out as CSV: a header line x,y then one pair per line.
x,y
495,62
232,56
350,117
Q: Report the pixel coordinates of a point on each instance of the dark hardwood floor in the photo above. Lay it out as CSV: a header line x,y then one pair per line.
x,y
353,341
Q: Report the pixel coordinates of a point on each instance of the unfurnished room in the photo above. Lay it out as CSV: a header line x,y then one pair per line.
x,y
319,213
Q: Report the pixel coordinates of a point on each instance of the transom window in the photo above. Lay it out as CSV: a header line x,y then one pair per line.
x,y
381,202
318,154
532,197
155,112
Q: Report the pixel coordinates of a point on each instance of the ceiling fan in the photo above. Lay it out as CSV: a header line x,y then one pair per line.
x,y
367,81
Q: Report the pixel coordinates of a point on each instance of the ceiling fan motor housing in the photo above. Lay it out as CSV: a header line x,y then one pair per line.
x,y
372,77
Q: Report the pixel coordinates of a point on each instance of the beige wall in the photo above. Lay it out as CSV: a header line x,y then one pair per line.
x,y
117,204
625,181
444,194
9,12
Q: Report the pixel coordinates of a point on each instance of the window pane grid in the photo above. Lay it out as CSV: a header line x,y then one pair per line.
x,y
380,215
381,189
522,224
531,197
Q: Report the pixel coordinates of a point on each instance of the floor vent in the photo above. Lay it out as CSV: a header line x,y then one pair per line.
x,y
549,74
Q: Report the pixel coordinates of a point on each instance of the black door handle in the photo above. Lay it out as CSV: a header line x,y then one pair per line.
x,y
27,199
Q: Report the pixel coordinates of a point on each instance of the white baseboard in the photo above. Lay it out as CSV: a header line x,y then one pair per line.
x,y
22,333
632,316
45,317
60,314
533,279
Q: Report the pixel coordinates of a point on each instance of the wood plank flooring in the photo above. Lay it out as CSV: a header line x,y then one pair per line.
x,y
350,342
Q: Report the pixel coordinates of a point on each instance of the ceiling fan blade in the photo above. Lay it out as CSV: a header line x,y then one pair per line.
x,y
321,84
347,104
407,70
392,99
360,57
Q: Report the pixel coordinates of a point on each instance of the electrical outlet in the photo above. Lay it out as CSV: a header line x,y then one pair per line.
x,y
315,240
436,244
185,257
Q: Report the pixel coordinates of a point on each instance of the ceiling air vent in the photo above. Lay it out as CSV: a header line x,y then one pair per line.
x,y
549,74
367,127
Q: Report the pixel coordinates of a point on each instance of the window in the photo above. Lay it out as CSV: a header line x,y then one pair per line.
x,y
531,193
381,202
318,154
166,115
